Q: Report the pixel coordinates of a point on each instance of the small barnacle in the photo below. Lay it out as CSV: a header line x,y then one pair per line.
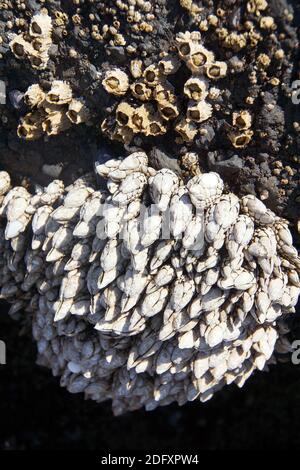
x,y
168,110
124,113
56,123
39,60
216,70
136,68
186,43
169,65
39,44
141,91
152,75
186,129
40,26
119,40
242,120
214,93
60,93
34,96
30,126
195,88
263,60
140,118
190,162
199,57
222,33
156,126
198,111
20,47
254,38
275,81
116,82
78,111
164,91
267,22
240,139
256,6
235,41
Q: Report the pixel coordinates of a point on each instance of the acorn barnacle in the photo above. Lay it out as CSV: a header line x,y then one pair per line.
x,y
116,82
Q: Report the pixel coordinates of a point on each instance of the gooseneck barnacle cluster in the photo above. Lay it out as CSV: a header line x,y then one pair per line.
x,y
151,289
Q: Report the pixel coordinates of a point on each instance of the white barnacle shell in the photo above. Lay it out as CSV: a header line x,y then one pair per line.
x,y
257,210
285,241
205,189
105,169
55,123
151,75
221,216
240,280
130,188
116,82
181,212
199,111
169,64
34,95
216,70
196,88
110,255
78,111
40,219
154,302
239,235
4,183
168,110
20,47
113,219
137,161
186,129
193,237
151,226
59,93
182,292
40,26
161,254
199,58
162,187
141,90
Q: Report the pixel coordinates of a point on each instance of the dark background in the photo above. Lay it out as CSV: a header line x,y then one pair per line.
x,y
35,413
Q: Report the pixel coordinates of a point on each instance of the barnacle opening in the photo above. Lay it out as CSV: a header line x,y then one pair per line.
x,y
199,59
18,49
36,61
122,118
168,112
184,49
36,28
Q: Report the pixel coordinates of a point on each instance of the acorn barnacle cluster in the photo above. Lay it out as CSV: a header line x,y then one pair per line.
x,y
35,44
149,290
51,112
241,133
159,108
